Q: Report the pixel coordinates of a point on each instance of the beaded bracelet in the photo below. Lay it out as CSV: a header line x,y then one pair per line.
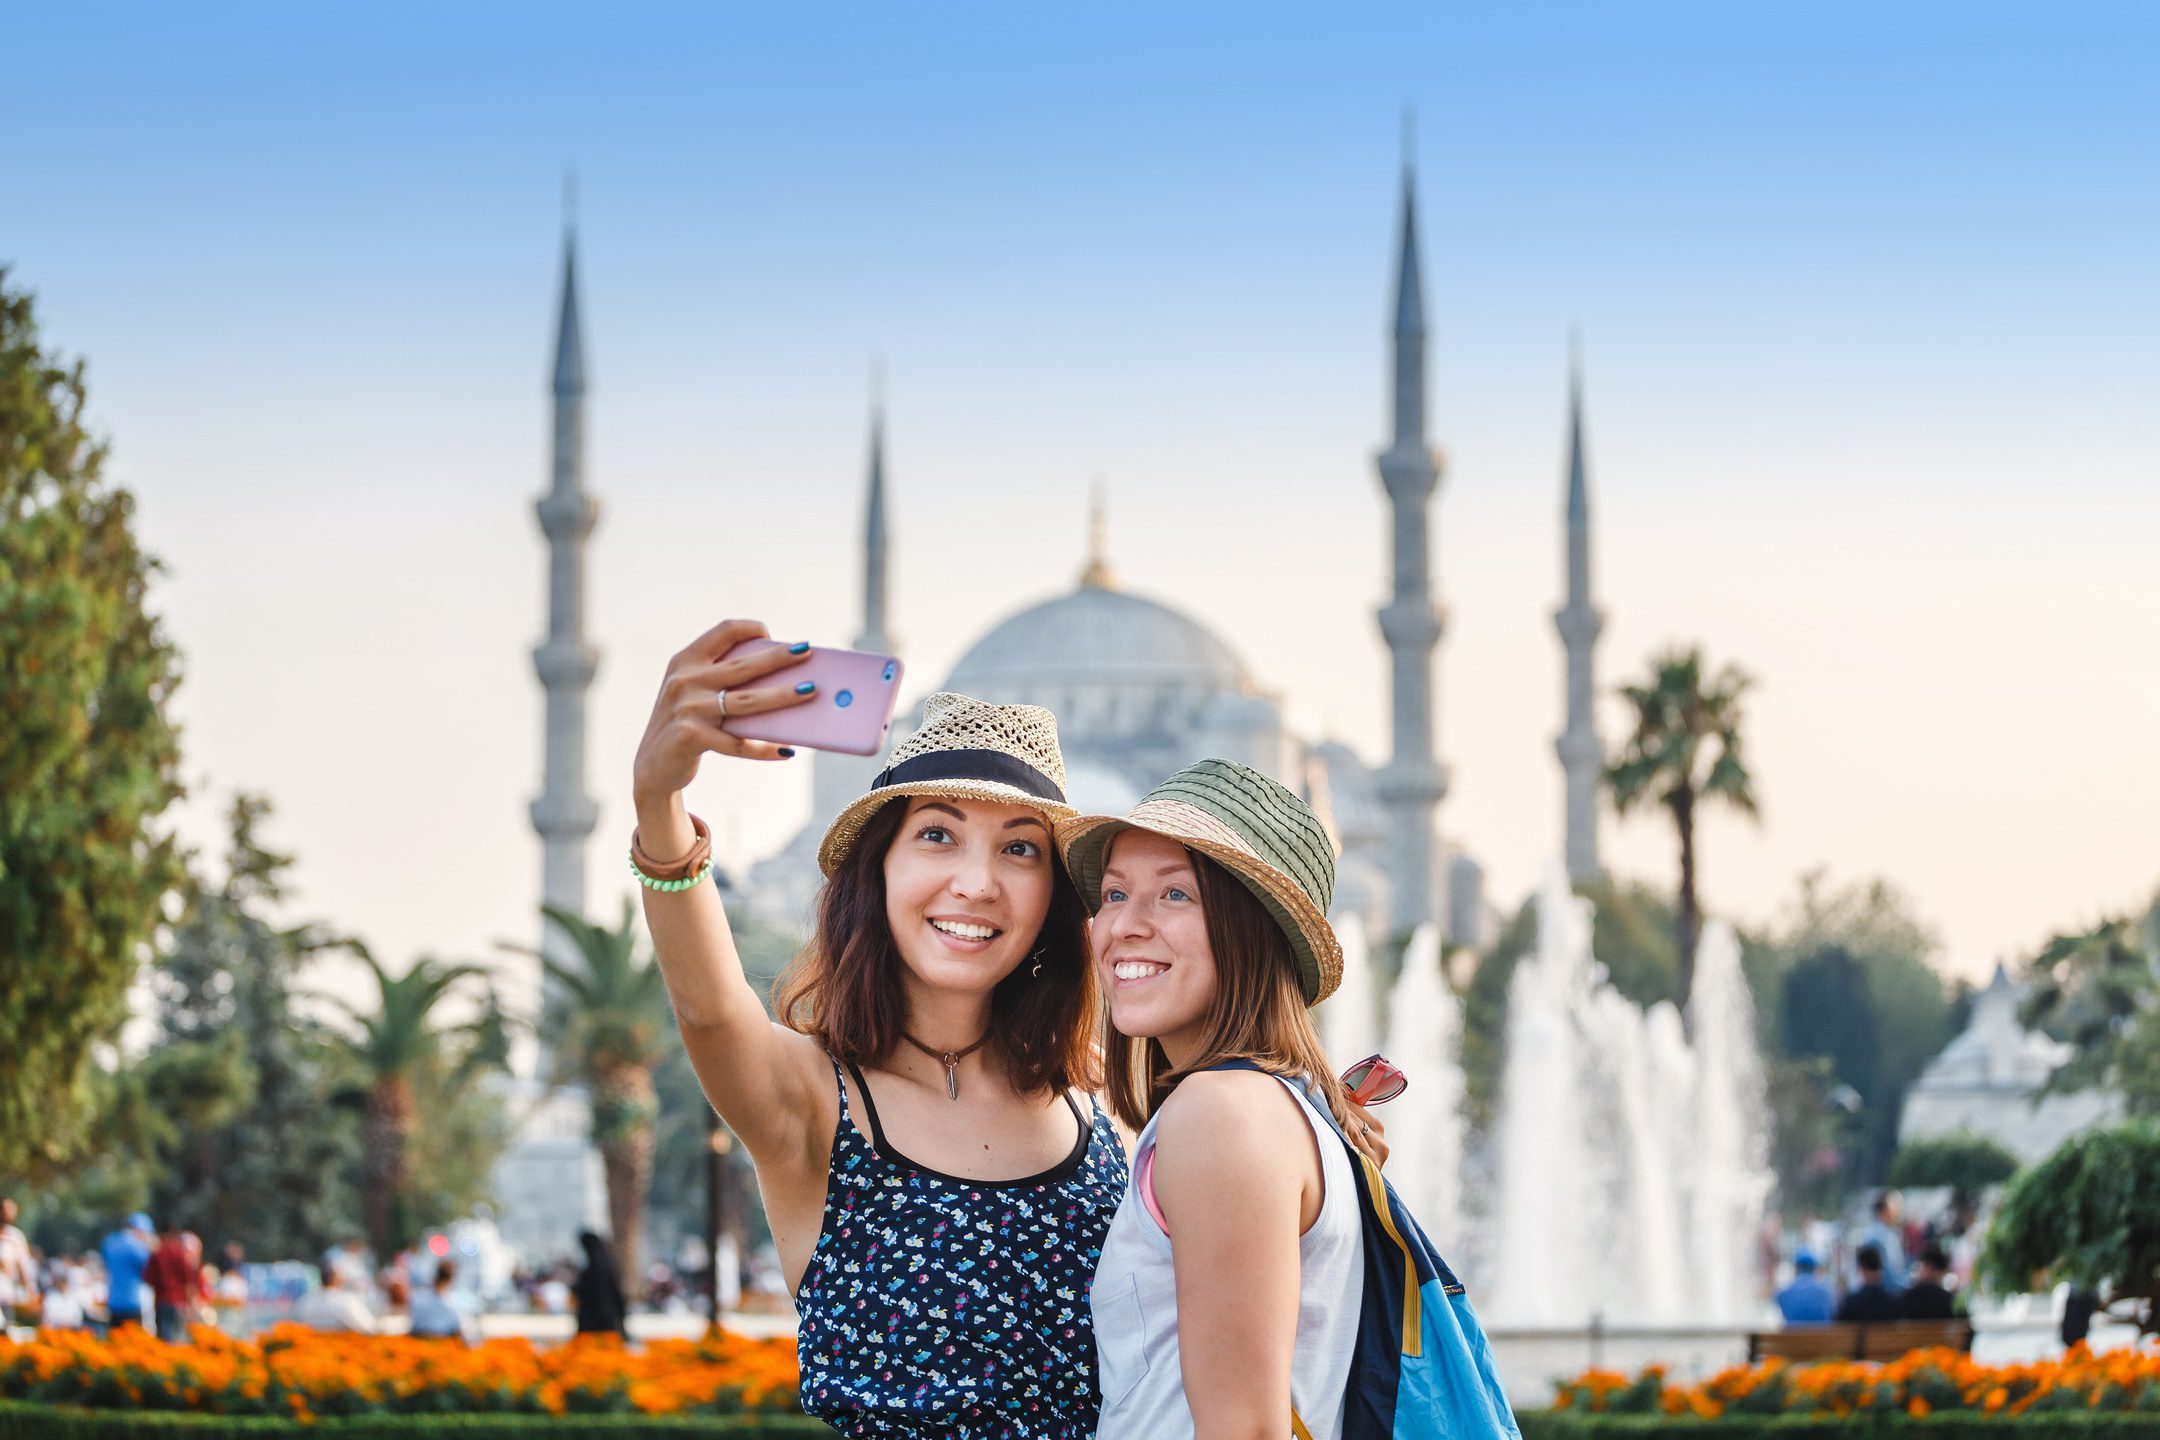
x,y
670,887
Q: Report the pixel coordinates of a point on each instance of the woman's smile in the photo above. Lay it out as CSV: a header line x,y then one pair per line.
x,y
965,933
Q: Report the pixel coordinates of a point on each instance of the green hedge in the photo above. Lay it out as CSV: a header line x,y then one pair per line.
x,y
21,1420
1954,1425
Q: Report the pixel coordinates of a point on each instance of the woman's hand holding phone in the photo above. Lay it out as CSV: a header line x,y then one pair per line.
x,y
686,717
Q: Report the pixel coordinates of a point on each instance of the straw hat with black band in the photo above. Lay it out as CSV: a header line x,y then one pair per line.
x,y
967,750
1254,828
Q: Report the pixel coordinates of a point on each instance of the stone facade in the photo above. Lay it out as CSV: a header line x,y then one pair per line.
x,y
1988,1081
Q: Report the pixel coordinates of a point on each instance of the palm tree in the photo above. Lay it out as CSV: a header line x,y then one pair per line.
x,y
1684,750
609,1030
397,1041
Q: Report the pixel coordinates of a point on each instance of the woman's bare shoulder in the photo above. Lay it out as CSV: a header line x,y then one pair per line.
x,y
1228,1102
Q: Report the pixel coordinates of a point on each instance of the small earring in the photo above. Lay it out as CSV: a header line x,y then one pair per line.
x,y
1038,958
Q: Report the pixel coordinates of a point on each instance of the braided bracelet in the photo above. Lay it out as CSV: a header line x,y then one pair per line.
x,y
674,875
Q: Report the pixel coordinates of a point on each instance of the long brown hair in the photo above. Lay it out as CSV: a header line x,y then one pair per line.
x,y
1258,1013
845,989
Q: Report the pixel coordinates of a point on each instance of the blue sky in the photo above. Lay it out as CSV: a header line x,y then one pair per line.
x,y
1868,296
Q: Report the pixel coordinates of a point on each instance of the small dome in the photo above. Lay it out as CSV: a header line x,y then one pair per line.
x,y
1096,637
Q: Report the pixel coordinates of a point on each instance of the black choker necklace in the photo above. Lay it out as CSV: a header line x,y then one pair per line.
x,y
949,1058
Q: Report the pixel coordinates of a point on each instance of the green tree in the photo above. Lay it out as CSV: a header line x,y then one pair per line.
x,y
2100,990
1878,1020
1808,1140
278,1173
2089,1214
610,1032
1683,752
1635,936
1852,1011
1965,1162
90,760
74,1207
450,1157
402,1053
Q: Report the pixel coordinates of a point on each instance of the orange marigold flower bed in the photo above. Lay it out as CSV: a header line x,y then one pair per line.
x,y
291,1370
1925,1382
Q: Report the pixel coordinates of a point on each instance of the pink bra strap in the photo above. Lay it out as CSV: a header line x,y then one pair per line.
x,y
1146,1182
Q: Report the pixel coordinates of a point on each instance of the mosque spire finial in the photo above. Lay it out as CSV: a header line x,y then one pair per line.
x,y
569,344
1578,496
1097,575
1409,329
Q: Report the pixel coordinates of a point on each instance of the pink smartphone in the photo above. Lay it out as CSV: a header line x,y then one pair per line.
x,y
850,713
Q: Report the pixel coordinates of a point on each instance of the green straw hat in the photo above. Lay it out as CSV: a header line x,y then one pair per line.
x,y
1254,828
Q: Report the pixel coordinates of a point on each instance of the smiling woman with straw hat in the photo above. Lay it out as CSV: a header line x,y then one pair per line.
x,y
937,1180
1227,1300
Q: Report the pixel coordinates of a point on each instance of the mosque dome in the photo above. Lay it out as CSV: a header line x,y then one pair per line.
x,y
1097,638
1139,688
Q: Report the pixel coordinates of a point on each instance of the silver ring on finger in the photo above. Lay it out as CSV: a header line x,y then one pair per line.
x,y
721,696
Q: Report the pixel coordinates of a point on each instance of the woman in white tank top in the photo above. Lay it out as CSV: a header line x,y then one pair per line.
x,y
1226,1304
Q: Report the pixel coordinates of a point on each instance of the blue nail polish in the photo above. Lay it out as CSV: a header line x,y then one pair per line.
x,y
787,752
799,647
806,687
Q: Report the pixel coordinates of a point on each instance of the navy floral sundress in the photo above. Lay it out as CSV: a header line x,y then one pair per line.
x,y
940,1307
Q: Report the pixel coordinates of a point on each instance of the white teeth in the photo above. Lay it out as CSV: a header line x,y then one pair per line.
x,y
964,931
1137,969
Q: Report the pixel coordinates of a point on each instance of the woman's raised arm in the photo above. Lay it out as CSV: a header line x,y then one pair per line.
x,y
767,1082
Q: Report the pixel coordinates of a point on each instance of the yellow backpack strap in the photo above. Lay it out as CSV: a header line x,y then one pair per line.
x,y
1413,1325
1297,1426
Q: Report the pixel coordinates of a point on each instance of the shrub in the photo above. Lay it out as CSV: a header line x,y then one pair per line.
x,y
2089,1214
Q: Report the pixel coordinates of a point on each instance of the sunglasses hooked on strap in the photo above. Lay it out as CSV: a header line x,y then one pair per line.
x,y
1373,1081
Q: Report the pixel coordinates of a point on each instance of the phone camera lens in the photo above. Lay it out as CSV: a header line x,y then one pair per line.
x,y
844,699
890,667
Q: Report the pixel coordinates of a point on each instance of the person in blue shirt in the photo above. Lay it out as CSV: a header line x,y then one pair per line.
x,y
1886,1232
1807,1301
126,1252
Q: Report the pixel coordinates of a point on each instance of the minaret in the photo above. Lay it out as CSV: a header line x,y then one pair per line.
x,y
564,814
876,543
836,779
1582,754
1413,780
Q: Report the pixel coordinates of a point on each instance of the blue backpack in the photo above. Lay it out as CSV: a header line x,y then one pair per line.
x,y
1423,1369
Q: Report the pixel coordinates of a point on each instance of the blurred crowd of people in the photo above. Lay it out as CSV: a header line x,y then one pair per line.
x,y
157,1277
1899,1270
140,1274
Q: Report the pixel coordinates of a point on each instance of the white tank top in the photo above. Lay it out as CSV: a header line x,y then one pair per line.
x,y
1136,1320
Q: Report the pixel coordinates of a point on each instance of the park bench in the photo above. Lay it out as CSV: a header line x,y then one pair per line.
x,y
1868,1340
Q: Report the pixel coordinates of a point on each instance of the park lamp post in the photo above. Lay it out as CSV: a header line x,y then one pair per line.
x,y
717,1145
